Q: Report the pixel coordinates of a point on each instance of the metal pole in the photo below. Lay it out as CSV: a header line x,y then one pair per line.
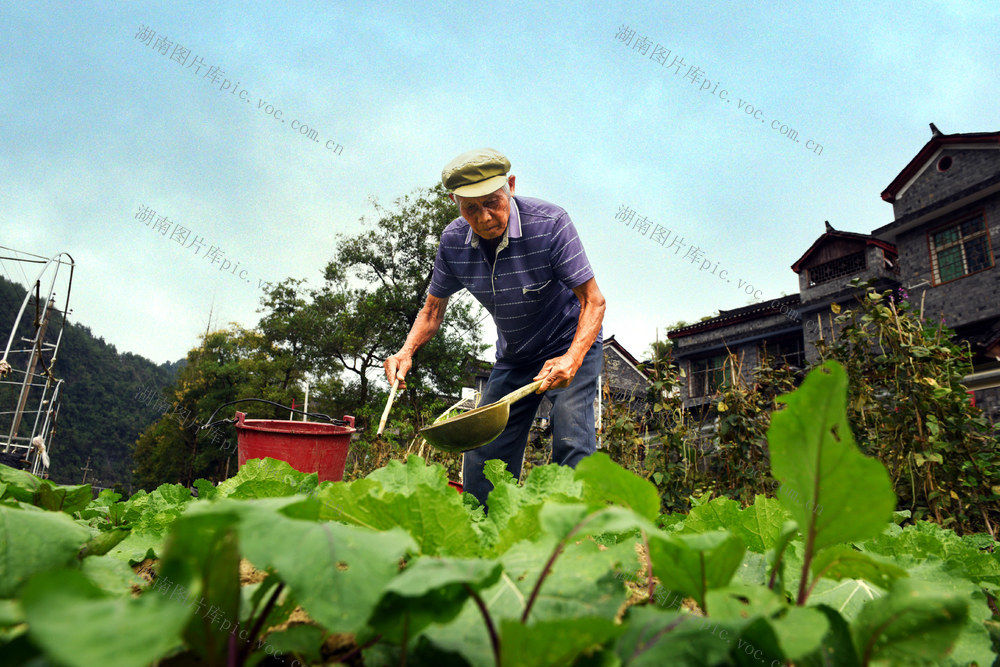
x,y
32,363
306,407
600,407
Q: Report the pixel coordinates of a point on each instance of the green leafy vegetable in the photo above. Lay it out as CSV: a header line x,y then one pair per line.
x,y
915,624
35,541
77,623
821,469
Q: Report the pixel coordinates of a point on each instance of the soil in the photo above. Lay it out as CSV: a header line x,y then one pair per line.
x,y
249,574
334,645
145,571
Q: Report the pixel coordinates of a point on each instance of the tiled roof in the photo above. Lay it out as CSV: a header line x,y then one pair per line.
x,y
930,148
729,317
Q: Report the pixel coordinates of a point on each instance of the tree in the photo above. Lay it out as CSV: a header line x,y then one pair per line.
x,y
231,364
662,348
374,288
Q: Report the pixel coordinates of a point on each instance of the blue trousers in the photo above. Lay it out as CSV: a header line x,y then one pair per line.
x,y
572,420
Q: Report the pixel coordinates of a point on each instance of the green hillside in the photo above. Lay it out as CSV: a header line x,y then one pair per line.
x,y
100,416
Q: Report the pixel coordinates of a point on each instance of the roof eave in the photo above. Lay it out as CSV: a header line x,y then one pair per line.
x,y
925,153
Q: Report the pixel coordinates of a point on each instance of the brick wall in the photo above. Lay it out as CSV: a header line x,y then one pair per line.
x,y
961,301
621,377
875,268
968,167
715,341
988,400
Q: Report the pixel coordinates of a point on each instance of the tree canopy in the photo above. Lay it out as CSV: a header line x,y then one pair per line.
x,y
334,336
375,287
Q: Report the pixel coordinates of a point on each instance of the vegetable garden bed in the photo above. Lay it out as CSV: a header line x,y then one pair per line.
x,y
271,567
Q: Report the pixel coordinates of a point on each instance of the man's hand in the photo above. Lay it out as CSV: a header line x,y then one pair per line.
x,y
397,366
557,373
424,327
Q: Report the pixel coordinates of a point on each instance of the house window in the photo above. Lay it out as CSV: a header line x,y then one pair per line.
x,y
836,268
789,351
707,375
960,249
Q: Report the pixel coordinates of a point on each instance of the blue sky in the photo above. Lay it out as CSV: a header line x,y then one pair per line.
x,y
97,124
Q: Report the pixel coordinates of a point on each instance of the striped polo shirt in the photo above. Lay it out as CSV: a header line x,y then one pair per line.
x,y
528,290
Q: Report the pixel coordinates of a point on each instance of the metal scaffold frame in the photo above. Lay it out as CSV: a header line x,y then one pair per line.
x,y
31,367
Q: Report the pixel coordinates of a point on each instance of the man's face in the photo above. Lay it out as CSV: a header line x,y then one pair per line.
x,y
487,215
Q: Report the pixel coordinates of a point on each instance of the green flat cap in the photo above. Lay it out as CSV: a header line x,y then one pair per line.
x,y
476,173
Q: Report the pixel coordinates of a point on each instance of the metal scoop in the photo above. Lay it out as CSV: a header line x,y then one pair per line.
x,y
475,428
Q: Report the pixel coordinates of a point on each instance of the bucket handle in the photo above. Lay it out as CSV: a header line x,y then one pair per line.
x,y
318,415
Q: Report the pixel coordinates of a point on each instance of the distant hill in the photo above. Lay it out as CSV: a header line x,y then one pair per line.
x,y
100,416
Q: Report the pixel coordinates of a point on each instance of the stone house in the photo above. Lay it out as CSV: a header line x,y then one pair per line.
x,y
940,247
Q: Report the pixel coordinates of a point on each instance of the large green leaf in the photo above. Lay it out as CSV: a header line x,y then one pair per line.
x,y
200,565
155,512
759,525
336,572
916,623
514,508
428,574
653,638
757,644
19,484
741,602
305,641
67,499
430,590
973,644
694,564
814,455
837,649
581,584
76,623
138,546
35,541
843,562
266,478
404,478
960,555
847,597
564,520
581,581
800,631
555,642
112,575
606,482
830,488
434,516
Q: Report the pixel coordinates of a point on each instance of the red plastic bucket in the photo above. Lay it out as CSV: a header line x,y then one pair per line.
x,y
306,446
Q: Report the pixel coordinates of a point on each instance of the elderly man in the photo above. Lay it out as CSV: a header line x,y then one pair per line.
x,y
522,259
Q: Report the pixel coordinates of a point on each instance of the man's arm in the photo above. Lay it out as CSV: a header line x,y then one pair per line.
x,y
424,327
559,372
